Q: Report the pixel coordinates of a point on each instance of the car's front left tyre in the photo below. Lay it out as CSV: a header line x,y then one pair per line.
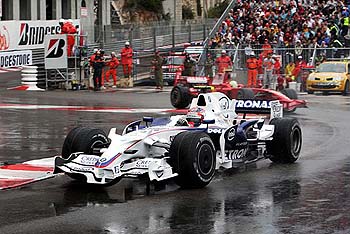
x,y
192,156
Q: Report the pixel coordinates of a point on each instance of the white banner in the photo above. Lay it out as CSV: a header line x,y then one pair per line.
x,y
56,51
26,34
15,58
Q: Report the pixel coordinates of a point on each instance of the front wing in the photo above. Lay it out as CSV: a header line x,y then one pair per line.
x,y
156,168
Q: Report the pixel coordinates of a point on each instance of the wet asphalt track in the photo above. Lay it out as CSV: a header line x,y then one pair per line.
x,y
310,196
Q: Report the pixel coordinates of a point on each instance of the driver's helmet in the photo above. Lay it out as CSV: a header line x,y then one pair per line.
x,y
195,116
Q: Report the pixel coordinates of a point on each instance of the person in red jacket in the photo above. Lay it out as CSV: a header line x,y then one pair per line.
x,y
252,65
68,28
299,65
223,62
277,73
71,37
64,26
126,59
266,47
112,64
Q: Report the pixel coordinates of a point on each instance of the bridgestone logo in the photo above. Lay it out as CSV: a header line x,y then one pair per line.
x,y
55,49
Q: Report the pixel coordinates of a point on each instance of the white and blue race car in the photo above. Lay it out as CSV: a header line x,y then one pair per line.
x,y
188,148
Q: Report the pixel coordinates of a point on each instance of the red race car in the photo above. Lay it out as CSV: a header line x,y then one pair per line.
x,y
187,87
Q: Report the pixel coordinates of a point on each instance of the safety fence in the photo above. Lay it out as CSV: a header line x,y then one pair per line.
x,y
310,58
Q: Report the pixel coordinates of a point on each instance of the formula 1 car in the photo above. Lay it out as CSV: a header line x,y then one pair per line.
x,y
187,87
188,148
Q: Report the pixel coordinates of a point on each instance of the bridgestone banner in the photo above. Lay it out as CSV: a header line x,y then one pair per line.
x,y
27,34
15,58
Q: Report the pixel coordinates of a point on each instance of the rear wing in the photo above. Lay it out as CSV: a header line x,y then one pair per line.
x,y
273,108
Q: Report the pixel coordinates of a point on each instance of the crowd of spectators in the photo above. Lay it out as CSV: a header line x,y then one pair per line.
x,y
285,23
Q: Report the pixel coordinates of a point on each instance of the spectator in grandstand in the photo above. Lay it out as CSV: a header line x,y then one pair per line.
x,y
298,48
289,72
223,62
337,44
126,60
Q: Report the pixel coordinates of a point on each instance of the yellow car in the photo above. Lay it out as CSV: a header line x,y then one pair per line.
x,y
330,76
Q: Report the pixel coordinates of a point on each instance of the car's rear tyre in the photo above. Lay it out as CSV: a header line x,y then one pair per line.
x,y
192,156
290,93
287,140
244,94
346,88
310,92
180,97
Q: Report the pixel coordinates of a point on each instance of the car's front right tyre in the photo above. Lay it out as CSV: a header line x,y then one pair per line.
x,y
287,140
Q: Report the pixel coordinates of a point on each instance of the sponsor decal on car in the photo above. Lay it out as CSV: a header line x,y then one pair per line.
x,y
82,169
143,164
233,154
117,170
215,130
231,134
89,160
260,104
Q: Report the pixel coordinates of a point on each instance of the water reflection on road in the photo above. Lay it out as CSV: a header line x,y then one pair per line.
x,y
33,134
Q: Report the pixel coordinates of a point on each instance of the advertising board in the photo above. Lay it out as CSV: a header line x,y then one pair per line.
x,y
27,34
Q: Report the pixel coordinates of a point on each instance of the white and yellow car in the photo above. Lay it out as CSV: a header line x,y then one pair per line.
x,y
330,76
